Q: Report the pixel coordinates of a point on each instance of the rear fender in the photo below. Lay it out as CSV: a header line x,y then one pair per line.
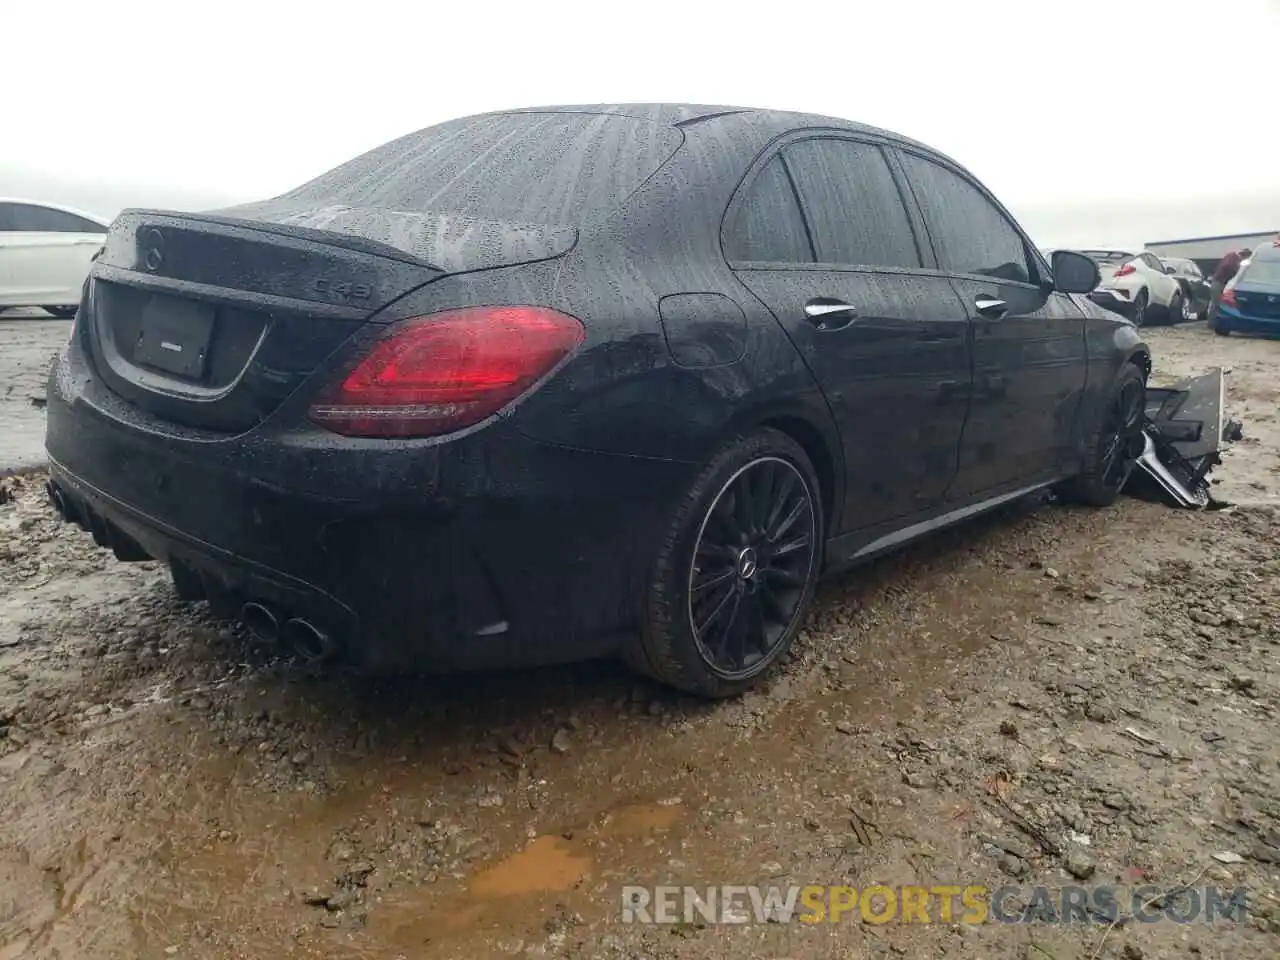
x,y
808,421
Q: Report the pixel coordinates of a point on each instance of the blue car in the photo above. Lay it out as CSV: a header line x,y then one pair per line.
x,y
1251,301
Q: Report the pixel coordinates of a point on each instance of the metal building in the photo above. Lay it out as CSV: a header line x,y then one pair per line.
x,y
1207,251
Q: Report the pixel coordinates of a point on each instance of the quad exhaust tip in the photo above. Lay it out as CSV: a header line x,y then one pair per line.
x,y
307,641
261,622
300,637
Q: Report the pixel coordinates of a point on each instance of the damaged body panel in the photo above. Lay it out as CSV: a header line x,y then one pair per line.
x,y
1183,432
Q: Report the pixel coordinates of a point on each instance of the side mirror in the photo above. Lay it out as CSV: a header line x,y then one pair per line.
x,y
1172,271
1074,272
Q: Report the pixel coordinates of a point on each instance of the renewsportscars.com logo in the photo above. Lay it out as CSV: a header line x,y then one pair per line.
x,y
973,904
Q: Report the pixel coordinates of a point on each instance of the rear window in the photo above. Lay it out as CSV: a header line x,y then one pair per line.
x,y
1264,271
549,168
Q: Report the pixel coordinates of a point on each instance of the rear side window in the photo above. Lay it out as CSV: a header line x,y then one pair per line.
x,y
543,168
32,218
970,234
853,204
767,226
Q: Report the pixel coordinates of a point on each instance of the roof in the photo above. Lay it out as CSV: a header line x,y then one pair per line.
x,y
1225,236
689,114
57,206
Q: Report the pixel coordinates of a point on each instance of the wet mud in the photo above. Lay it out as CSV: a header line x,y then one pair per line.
x,y
1047,696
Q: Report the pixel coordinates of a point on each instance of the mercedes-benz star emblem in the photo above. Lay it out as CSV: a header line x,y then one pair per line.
x,y
152,241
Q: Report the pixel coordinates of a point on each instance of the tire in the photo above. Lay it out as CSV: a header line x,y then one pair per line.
x,y
1175,309
1114,448
62,313
1202,312
749,595
1141,305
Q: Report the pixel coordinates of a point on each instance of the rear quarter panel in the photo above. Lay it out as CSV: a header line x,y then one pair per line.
x,y
625,392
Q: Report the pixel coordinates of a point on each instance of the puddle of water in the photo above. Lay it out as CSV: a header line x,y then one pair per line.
x,y
547,865
513,896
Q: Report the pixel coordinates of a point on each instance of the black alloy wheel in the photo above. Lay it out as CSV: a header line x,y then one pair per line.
x,y
1140,308
734,570
752,561
1121,439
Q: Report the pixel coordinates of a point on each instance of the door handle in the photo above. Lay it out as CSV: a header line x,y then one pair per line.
x,y
991,308
828,314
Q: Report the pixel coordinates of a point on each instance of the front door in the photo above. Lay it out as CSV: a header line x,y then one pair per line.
x,y
887,343
1028,342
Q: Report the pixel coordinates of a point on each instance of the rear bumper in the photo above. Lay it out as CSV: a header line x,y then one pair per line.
x,y
488,550
1229,319
1115,301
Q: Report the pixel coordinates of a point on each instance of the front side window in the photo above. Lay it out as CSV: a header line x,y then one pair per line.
x,y
853,204
767,226
970,234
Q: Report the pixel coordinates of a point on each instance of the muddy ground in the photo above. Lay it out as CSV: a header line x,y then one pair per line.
x,y
29,338
1047,694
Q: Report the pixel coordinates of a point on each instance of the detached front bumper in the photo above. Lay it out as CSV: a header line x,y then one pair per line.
x,y
1183,431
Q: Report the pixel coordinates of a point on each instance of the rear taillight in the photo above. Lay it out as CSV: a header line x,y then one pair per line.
x,y
446,371
1127,269
1229,297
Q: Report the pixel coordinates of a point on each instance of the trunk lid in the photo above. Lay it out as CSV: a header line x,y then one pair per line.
x,y
213,320
1109,263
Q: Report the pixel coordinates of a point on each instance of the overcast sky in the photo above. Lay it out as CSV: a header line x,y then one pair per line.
x,y
1097,121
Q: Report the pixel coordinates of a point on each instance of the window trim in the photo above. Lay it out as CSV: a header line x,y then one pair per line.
x,y
1043,274
736,202
840,265
775,148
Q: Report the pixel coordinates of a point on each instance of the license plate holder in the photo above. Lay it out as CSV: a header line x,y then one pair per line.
x,y
174,335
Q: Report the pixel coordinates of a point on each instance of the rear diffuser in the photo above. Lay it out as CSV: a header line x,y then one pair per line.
x,y
1183,431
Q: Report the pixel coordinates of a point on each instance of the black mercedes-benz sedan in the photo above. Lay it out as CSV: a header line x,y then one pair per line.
x,y
558,383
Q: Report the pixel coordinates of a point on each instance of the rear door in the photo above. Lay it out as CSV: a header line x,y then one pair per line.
x,y
886,341
1028,342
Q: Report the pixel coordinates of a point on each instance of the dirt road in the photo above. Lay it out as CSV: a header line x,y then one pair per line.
x,y
1048,697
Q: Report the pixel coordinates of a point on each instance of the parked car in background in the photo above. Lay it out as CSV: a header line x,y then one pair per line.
x,y
1142,288
45,252
542,385
1251,300
1195,286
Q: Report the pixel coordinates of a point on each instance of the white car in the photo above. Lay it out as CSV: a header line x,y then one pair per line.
x,y
45,253
1142,286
